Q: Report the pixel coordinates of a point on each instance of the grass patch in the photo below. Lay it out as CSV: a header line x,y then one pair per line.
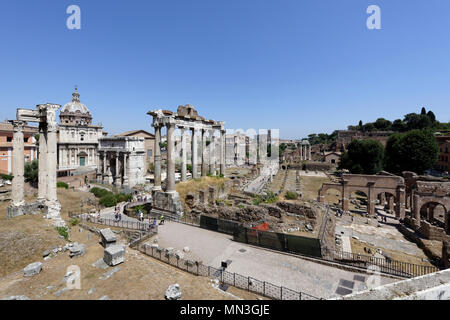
x,y
63,231
74,221
195,185
290,195
62,185
268,198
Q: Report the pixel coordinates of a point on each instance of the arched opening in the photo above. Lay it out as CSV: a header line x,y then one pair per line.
x,y
358,201
333,196
435,213
387,200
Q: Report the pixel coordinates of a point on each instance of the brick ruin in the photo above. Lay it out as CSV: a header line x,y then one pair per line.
x,y
282,216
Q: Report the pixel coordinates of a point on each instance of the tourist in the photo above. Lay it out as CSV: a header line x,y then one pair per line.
x,y
162,220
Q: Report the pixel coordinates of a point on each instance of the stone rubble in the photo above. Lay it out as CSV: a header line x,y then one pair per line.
x,y
114,254
77,250
173,292
32,269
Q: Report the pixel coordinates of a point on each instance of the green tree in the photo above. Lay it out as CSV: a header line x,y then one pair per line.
x,y
363,156
416,150
431,116
382,124
31,171
399,126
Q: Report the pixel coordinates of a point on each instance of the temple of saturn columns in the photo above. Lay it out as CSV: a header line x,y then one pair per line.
x,y
186,118
45,115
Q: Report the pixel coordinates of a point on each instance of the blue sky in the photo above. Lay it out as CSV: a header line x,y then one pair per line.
x,y
300,66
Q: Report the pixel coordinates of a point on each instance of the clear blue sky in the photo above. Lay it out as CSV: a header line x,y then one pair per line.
x,y
300,66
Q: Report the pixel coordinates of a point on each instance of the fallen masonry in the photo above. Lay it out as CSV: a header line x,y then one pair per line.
x,y
32,269
173,292
114,254
108,237
77,250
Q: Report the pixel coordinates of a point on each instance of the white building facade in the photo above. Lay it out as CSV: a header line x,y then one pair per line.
x,y
78,137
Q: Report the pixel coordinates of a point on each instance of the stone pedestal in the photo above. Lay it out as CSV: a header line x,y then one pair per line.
x,y
167,202
114,255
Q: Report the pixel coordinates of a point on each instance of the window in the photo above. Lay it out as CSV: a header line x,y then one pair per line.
x,y
149,153
82,137
8,139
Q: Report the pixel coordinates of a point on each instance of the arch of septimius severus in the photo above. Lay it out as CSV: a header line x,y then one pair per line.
x,y
45,115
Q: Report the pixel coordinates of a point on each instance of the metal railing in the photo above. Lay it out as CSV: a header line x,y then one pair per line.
x,y
133,225
388,266
262,288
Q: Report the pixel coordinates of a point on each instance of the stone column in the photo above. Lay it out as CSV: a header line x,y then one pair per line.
x,y
417,210
400,205
42,170
390,202
212,165
309,153
105,180
344,197
382,198
125,177
157,173
371,200
183,154
236,150
204,164
170,180
194,146
53,206
18,165
118,178
222,152
301,152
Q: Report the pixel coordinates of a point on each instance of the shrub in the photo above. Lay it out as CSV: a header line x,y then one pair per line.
x,y
6,177
108,200
63,231
99,192
74,222
290,195
62,185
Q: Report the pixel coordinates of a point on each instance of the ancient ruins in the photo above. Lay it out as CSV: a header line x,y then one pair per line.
x,y
186,118
121,161
45,115
374,186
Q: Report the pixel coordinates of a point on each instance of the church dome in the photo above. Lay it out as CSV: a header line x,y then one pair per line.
x,y
75,105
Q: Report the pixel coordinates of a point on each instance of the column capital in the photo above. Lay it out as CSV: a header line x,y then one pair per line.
x,y
18,125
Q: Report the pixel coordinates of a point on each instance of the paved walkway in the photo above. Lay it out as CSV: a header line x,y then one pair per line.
x,y
387,236
280,269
